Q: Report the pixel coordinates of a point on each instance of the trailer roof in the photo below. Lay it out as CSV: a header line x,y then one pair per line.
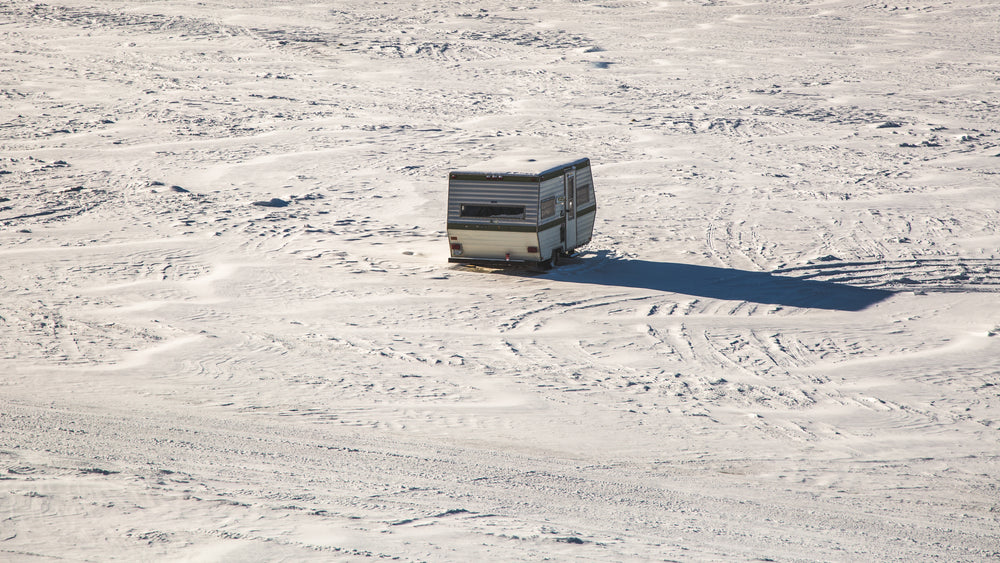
x,y
521,166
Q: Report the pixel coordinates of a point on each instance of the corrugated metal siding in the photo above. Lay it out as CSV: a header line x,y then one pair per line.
x,y
549,239
552,188
484,192
584,228
585,221
584,175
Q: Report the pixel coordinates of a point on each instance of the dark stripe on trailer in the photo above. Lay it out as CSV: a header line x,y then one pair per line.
x,y
551,224
493,227
482,177
590,209
513,228
559,171
469,176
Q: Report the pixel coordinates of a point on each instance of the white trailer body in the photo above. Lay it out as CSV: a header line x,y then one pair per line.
x,y
529,217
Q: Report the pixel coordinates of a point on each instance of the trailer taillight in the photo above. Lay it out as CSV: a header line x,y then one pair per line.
x,y
532,250
456,248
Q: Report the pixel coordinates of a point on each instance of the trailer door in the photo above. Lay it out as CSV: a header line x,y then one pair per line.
x,y
570,219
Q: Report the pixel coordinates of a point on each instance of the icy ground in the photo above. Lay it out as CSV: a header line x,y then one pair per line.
x,y
229,331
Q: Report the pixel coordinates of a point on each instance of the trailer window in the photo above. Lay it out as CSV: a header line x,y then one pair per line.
x,y
583,194
503,211
548,208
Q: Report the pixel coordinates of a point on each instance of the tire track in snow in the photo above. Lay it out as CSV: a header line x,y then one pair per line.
x,y
962,275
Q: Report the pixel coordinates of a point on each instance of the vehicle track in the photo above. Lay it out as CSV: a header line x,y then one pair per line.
x,y
968,275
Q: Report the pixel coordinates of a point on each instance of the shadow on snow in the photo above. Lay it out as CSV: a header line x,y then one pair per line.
x,y
724,283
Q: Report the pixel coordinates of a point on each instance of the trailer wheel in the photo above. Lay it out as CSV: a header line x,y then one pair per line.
x,y
554,261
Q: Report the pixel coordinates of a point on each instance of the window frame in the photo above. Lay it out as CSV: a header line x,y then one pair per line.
x,y
482,211
547,208
584,190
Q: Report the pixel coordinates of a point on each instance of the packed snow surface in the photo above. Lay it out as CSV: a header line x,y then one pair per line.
x,y
229,330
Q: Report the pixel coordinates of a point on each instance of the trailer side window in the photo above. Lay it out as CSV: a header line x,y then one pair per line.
x,y
583,194
547,208
487,211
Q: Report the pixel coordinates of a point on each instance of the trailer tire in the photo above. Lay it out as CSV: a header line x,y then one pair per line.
x,y
554,261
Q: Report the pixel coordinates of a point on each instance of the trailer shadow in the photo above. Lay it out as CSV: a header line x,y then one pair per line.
x,y
722,283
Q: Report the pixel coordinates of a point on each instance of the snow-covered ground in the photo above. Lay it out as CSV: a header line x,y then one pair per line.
x,y
782,344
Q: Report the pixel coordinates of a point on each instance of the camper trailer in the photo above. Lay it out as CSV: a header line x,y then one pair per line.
x,y
532,216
